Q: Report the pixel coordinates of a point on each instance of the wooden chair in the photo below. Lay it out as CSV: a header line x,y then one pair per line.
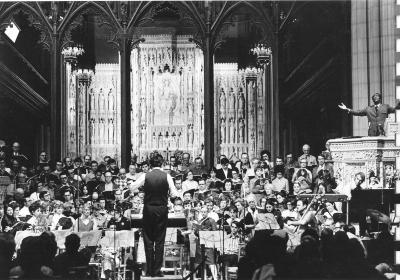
x,y
173,254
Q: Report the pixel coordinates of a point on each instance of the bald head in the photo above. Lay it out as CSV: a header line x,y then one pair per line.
x,y
306,149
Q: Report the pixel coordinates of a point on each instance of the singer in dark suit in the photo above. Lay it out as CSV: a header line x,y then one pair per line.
x,y
225,172
157,184
376,114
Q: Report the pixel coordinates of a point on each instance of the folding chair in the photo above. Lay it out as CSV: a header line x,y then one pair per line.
x,y
173,254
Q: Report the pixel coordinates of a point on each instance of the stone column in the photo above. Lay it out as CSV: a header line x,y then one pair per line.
x,y
397,135
57,132
209,116
125,54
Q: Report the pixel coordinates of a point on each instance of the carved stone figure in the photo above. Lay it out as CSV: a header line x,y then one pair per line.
x,y
223,131
232,131
260,113
110,101
190,109
92,99
241,131
232,104
110,130
241,105
222,104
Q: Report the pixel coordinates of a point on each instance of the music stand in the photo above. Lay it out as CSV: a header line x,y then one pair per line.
x,y
119,239
60,236
211,239
171,236
89,238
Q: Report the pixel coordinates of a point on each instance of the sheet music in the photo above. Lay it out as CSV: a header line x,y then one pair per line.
x,y
266,221
21,235
89,238
122,238
60,237
211,239
172,235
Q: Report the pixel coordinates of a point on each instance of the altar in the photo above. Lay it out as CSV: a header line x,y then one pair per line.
x,y
167,104
369,155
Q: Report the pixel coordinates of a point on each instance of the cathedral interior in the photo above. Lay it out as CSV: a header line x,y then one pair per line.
x,y
126,78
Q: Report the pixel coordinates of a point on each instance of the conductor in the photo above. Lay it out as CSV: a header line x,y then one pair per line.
x,y
156,184
376,114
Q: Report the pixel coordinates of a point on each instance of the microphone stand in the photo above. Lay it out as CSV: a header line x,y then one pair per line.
x,y
79,171
223,244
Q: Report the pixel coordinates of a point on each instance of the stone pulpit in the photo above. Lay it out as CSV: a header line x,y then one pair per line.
x,y
364,154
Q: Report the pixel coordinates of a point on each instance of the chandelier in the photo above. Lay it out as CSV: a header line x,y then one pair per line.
x,y
263,53
72,52
84,75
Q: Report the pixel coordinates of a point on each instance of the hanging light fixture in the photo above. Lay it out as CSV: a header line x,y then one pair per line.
x,y
263,53
72,52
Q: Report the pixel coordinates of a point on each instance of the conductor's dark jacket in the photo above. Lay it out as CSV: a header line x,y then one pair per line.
x,y
376,116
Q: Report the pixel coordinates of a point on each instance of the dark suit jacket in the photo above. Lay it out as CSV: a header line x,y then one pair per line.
x,y
221,175
376,118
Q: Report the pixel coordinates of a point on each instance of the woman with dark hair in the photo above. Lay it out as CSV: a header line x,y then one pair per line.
x,y
9,219
270,218
34,209
213,183
324,183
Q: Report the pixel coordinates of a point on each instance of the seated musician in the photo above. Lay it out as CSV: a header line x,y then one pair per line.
x,y
71,257
307,218
328,215
270,218
231,246
289,213
85,222
118,221
136,208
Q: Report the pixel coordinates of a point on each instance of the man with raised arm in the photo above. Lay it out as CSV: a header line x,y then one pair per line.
x,y
376,113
